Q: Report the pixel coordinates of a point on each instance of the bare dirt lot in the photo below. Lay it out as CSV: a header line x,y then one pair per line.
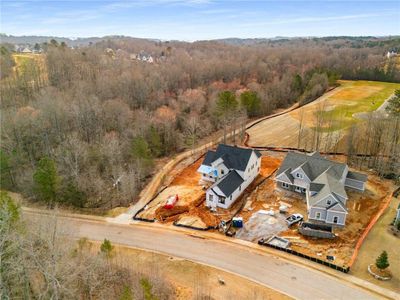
x,y
190,210
186,186
361,207
202,217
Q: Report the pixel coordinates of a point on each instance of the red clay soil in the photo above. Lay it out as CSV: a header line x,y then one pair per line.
x,y
162,213
189,175
269,165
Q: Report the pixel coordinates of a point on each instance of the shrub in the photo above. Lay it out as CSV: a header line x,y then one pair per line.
x,y
382,261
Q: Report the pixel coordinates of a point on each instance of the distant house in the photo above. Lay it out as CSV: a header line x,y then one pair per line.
x,y
391,53
143,56
26,50
323,182
230,169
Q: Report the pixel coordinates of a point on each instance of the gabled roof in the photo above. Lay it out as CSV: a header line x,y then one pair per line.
x,y
313,165
234,157
286,176
229,183
328,186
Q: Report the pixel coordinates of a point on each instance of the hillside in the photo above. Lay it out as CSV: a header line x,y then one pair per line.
x,y
101,119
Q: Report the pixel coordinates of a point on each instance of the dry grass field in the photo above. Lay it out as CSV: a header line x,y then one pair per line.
x,y
380,239
191,280
331,114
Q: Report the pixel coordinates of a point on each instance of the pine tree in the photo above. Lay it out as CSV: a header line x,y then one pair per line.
x,y
226,108
382,261
251,102
106,247
46,180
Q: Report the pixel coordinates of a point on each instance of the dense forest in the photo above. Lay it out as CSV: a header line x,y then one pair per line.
x,y
86,126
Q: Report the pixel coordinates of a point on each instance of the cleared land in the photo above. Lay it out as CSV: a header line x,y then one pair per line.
x,y
380,239
190,210
329,116
361,207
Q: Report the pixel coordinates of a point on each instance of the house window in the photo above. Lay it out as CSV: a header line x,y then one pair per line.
x,y
329,202
210,197
240,188
222,172
204,175
318,215
221,200
230,198
299,175
285,185
335,219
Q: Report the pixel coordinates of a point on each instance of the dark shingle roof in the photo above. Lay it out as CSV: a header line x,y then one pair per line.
x,y
209,158
357,176
234,157
230,183
314,165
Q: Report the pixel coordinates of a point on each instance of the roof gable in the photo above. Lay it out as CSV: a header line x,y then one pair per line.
x,y
233,157
229,183
316,165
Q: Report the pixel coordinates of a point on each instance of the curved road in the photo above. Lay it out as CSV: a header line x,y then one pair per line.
x,y
288,277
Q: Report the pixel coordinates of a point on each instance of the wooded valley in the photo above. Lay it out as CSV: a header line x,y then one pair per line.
x,y
88,126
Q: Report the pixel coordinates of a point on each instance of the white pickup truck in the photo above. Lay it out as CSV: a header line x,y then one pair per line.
x,y
293,219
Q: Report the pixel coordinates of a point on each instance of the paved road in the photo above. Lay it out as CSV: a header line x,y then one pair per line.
x,y
293,279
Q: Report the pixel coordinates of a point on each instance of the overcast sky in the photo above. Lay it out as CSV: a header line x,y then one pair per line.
x,y
199,19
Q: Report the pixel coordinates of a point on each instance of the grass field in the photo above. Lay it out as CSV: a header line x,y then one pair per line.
x,y
22,61
380,239
356,97
330,114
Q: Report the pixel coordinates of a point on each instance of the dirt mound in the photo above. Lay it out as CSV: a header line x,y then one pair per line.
x,y
208,218
163,213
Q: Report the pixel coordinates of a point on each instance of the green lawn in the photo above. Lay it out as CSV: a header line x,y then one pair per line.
x,y
355,97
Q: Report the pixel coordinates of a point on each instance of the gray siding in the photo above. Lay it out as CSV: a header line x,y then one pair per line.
x,y
341,217
312,214
280,185
355,184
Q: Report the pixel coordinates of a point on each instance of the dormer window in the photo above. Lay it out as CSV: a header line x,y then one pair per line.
x,y
299,175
